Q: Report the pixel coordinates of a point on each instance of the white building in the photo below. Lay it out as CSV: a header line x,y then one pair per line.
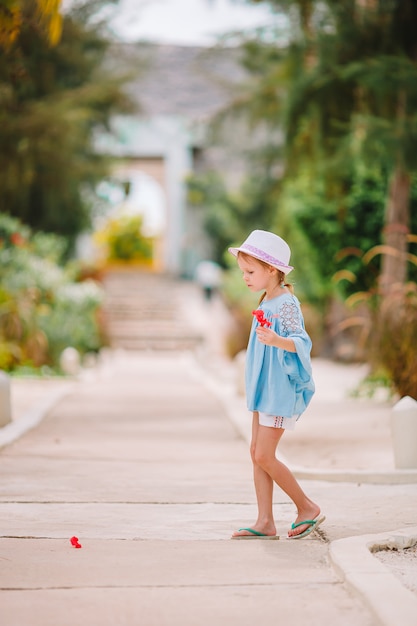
x,y
179,89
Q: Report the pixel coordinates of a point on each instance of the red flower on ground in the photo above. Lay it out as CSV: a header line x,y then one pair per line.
x,y
75,543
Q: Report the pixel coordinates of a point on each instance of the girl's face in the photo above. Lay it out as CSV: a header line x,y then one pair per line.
x,y
256,275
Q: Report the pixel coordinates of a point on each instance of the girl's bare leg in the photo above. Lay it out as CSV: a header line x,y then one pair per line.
x,y
267,469
267,440
264,486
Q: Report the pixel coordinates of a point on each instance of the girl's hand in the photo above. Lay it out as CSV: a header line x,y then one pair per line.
x,y
266,336
270,338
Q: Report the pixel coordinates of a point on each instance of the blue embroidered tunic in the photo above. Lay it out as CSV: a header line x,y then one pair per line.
x,y
279,382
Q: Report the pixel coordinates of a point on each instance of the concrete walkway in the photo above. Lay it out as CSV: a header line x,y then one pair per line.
x,y
146,461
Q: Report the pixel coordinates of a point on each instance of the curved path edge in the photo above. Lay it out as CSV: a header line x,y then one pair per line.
x,y
390,601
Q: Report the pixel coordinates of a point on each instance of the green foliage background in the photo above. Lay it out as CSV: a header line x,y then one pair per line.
x,y
53,99
334,92
43,307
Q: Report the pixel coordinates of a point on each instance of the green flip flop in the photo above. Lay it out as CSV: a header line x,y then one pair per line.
x,y
255,534
313,523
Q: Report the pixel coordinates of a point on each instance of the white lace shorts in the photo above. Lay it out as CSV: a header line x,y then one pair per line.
x,y
273,421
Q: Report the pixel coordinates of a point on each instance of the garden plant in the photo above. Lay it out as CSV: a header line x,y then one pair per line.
x,y
43,309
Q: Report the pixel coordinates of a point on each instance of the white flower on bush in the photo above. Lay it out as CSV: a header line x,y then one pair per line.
x,y
48,276
29,271
81,295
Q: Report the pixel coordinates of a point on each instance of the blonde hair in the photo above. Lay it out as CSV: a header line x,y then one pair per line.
x,y
281,275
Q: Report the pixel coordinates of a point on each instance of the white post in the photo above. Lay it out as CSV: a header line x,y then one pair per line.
x,y
5,404
70,361
404,433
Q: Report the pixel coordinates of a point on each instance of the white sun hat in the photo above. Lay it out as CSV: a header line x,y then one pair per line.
x,y
267,247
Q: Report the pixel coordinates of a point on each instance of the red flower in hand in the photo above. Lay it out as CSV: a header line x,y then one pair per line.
x,y
259,314
74,542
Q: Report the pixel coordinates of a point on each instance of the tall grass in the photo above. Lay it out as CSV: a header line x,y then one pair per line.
x,y
386,324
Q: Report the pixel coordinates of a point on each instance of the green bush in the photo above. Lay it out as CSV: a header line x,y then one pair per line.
x,y
71,320
42,310
123,239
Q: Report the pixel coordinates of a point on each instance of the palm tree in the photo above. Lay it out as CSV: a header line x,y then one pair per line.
x,y
48,13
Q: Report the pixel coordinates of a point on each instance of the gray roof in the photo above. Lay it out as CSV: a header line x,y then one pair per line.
x,y
186,81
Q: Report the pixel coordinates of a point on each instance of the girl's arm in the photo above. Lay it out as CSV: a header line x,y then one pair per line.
x,y
271,338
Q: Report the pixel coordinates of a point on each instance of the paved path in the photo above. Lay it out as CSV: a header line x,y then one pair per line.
x,y
146,461
143,466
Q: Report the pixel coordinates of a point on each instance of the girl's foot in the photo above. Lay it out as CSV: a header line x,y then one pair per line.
x,y
255,531
310,514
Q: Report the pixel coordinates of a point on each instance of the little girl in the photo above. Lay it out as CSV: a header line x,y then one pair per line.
x,y
279,383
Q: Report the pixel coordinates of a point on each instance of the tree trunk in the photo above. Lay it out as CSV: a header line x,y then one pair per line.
x,y
396,229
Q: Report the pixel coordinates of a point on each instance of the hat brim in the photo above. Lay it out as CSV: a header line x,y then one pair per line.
x,y
286,269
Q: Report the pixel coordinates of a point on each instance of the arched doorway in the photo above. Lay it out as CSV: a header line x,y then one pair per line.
x,y
144,194
160,148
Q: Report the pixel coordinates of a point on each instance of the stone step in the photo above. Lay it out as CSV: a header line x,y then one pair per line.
x,y
142,311
134,314
156,343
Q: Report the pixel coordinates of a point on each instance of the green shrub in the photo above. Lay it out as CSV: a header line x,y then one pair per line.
x,y
71,319
123,239
42,310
